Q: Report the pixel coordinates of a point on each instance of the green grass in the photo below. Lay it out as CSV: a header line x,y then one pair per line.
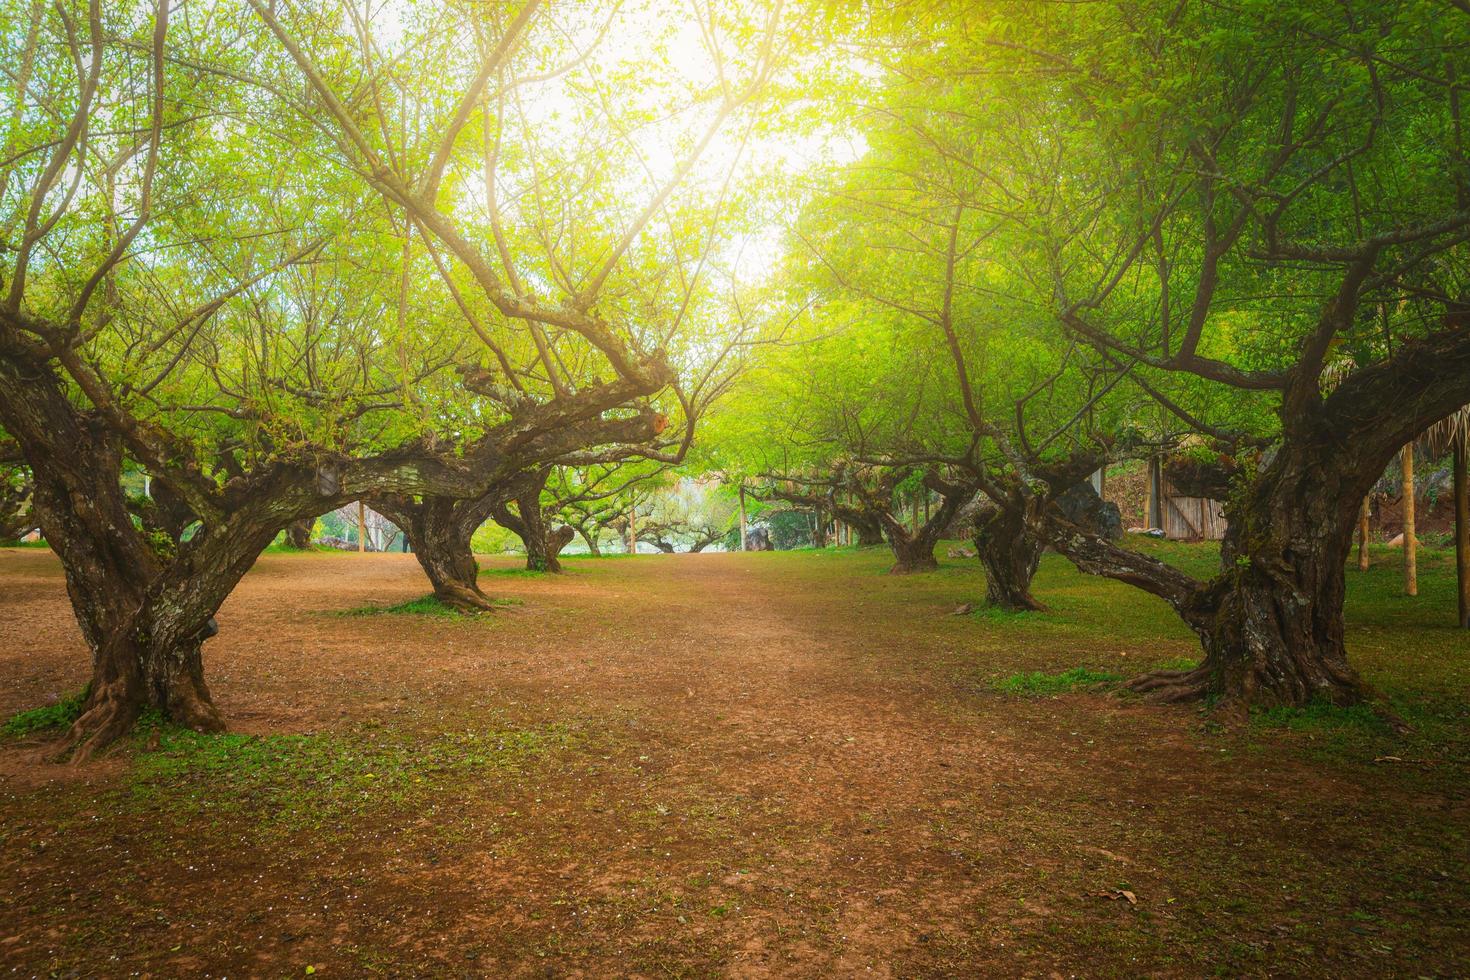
x,y
1037,683
315,781
1322,716
58,715
515,572
428,605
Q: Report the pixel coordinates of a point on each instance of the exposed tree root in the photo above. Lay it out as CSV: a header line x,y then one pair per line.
x,y
464,598
1013,603
110,715
1173,686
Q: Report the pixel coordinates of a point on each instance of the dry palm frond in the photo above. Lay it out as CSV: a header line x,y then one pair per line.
x,y
1443,436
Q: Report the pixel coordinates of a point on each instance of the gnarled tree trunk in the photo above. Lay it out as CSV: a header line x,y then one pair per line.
x,y
1010,550
440,530
298,533
1271,622
869,531
527,521
913,548
144,614
589,535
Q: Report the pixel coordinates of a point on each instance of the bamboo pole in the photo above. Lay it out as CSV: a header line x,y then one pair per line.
x,y
1411,557
1462,526
1363,516
361,528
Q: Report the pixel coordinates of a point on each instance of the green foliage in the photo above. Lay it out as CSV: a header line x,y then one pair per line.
x,y
58,715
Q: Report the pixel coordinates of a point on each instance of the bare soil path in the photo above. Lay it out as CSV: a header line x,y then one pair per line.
x,y
752,765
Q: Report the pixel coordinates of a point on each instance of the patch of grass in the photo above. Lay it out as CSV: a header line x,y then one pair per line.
x,y
995,614
1323,716
515,572
1037,683
428,605
316,781
58,715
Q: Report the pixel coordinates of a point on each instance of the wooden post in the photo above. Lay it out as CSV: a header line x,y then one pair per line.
x,y
1364,512
1462,526
1102,483
633,530
742,515
1411,557
1154,509
361,528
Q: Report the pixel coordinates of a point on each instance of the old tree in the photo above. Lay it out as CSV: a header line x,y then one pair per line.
x,y
249,254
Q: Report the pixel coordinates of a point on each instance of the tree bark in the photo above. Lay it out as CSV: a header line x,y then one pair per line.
x,y
913,551
1462,526
298,533
590,537
1364,515
1270,623
440,530
1411,551
1010,550
528,522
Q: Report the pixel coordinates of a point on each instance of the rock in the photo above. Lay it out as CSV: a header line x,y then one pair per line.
x,y
961,553
1086,509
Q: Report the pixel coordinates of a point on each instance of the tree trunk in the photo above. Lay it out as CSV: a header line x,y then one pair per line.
x,y
1411,551
590,537
543,546
911,553
1271,622
298,533
744,530
528,522
439,530
1462,527
1364,514
143,613
914,550
1010,552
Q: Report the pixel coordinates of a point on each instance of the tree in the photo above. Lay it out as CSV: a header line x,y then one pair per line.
x,y
1255,199
197,296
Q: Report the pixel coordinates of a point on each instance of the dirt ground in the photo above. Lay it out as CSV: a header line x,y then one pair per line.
x,y
751,765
